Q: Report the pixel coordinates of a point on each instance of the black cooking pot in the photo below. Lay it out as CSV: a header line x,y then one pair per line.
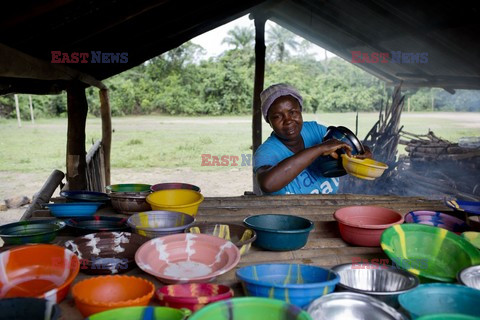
x,y
332,167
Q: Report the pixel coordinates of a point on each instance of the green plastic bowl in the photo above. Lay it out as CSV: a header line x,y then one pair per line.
x,y
251,309
129,187
140,313
447,316
472,237
429,252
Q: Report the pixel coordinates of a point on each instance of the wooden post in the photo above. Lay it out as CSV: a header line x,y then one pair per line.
x,y
408,104
77,116
31,108
17,109
106,132
258,87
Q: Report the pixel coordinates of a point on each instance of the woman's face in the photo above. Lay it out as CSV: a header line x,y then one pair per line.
x,y
285,118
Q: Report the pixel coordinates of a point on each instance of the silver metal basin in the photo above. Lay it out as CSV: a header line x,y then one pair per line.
x,y
351,306
470,277
382,282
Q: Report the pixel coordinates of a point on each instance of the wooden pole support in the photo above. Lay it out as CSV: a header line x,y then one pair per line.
x,y
77,117
106,132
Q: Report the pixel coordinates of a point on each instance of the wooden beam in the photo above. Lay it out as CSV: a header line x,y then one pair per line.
x,y
44,194
106,131
77,116
16,64
258,87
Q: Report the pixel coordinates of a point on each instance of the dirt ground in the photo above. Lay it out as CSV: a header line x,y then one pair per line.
x,y
233,182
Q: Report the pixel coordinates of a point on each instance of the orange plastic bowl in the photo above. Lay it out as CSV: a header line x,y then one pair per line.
x,y
41,271
109,292
363,225
192,296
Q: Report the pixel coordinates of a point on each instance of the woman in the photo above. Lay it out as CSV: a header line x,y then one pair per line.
x,y
287,162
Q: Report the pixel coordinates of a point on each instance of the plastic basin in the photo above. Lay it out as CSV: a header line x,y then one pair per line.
x,y
251,309
103,293
298,284
82,195
437,219
106,252
73,209
433,253
141,313
174,185
363,225
192,296
435,298
240,235
86,225
40,270
279,232
187,257
182,200
160,223
129,187
472,237
367,169
34,231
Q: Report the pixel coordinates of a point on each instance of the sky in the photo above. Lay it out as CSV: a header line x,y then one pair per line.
x,y
212,41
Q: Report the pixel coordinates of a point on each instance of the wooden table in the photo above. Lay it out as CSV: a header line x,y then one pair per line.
x,y
324,248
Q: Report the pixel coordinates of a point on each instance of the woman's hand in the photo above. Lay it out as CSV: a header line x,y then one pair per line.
x,y
330,147
367,154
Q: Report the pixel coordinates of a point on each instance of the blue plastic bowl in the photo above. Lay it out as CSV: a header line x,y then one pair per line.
x,y
298,284
279,232
73,209
435,298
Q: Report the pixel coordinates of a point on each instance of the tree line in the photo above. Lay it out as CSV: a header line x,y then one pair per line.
x,y
182,82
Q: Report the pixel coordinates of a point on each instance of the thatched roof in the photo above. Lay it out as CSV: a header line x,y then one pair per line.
x,y
449,32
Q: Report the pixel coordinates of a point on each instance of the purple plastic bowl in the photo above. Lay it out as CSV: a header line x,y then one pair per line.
x,y
437,219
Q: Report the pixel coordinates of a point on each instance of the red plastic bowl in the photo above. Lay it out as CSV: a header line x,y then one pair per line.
x,y
364,225
41,271
192,296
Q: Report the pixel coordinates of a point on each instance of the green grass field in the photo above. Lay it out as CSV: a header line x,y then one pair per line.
x,y
171,142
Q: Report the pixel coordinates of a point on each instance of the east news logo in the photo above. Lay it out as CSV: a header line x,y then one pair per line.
x,y
394,56
92,57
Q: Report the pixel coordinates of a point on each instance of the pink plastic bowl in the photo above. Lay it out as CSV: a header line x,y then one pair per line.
x,y
363,225
188,257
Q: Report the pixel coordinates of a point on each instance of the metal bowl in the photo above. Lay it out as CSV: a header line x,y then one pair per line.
x,y
160,223
351,306
383,282
470,277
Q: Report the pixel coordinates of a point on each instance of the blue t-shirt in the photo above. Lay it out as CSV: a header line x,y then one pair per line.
x,y
310,180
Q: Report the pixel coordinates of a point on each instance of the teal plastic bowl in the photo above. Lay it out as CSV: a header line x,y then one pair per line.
x,y
279,232
448,316
429,299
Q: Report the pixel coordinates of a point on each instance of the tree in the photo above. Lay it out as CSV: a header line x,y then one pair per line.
x,y
279,39
240,38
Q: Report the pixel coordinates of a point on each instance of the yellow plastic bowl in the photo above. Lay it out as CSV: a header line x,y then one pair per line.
x,y
367,169
181,200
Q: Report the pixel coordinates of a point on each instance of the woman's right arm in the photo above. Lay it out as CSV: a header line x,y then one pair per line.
x,y
274,178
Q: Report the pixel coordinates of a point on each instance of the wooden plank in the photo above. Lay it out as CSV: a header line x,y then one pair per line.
x,y
17,64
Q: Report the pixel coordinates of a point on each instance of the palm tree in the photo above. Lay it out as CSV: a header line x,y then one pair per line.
x,y
279,39
240,37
